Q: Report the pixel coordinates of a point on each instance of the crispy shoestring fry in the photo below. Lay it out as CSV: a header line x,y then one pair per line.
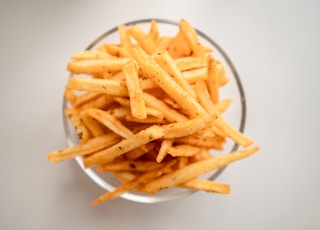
x,y
148,110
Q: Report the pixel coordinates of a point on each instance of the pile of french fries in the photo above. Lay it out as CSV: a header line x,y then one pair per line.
x,y
149,112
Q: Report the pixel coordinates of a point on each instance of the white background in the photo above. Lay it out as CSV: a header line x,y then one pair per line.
x,y
275,48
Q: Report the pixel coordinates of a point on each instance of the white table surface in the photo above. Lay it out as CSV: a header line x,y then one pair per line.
x,y
275,47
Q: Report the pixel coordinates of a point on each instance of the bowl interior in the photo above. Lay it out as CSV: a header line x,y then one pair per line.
x,y
235,114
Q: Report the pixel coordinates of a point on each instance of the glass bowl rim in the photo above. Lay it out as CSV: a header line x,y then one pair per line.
x,y
145,198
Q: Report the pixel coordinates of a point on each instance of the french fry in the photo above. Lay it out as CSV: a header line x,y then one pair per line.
x,y
92,125
124,37
183,150
75,118
181,129
204,97
97,65
194,170
191,37
129,165
137,103
165,145
213,79
207,185
189,63
97,85
89,55
91,146
154,31
145,41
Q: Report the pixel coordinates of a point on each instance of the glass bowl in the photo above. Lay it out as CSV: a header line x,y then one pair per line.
x,y
235,114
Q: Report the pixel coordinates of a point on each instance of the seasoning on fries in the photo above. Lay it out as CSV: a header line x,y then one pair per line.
x,y
150,111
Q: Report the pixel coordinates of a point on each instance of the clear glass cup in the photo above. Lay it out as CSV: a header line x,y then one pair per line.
x,y
235,114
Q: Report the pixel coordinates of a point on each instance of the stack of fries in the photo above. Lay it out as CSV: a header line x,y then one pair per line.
x,y
149,112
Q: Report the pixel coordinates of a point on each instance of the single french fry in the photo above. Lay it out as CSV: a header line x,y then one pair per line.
x,y
146,42
154,31
207,142
194,75
154,71
143,137
129,165
124,37
194,170
204,97
91,146
183,150
181,129
213,79
165,145
223,105
89,55
137,103
233,133
207,186
96,65
81,130
70,96
191,37
189,63
97,85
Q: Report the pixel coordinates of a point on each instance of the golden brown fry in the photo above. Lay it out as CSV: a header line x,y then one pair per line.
x,y
89,55
181,129
154,31
146,42
191,37
97,65
91,146
92,125
204,97
207,185
183,150
194,75
97,85
213,79
137,103
129,165
165,145
234,134
194,170
75,118
189,63
124,37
